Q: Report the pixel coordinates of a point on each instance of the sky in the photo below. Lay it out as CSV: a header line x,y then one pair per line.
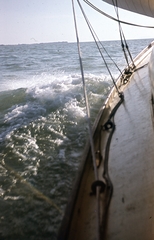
x,y
37,21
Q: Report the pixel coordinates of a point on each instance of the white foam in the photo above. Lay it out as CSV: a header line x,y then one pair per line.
x,y
51,92
20,115
74,109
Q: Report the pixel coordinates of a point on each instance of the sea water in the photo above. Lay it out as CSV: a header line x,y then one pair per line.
x,y
43,128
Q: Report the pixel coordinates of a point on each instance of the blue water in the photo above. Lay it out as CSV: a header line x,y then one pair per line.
x,y
43,129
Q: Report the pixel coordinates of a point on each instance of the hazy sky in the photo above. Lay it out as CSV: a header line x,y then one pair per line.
x,y
30,21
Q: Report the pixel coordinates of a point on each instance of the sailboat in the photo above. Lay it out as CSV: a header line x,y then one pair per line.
x,y
113,197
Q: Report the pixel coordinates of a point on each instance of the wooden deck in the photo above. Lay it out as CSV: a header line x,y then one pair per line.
x,y
131,163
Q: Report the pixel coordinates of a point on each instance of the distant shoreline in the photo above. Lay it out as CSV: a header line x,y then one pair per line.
x,y
66,42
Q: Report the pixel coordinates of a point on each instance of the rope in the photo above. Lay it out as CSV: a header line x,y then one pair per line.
x,y
109,125
121,32
90,130
122,36
107,15
85,96
105,174
93,34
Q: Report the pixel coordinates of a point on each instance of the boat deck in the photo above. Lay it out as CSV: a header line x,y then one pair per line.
x,y
130,168
131,163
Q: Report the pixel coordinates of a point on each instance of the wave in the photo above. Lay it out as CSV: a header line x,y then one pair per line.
x,y
61,94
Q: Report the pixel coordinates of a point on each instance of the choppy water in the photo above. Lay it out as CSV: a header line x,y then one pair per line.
x,y
43,129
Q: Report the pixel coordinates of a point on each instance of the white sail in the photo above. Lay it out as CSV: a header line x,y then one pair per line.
x,y
145,7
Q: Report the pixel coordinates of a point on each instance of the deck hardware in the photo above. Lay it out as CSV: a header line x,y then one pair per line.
x,y
95,184
121,96
108,125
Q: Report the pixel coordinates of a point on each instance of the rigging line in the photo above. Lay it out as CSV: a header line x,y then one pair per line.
x,y
127,47
85,96
93,34
96,37
110,57
90,130
103,48
92,30
109,16
122,36
121,32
